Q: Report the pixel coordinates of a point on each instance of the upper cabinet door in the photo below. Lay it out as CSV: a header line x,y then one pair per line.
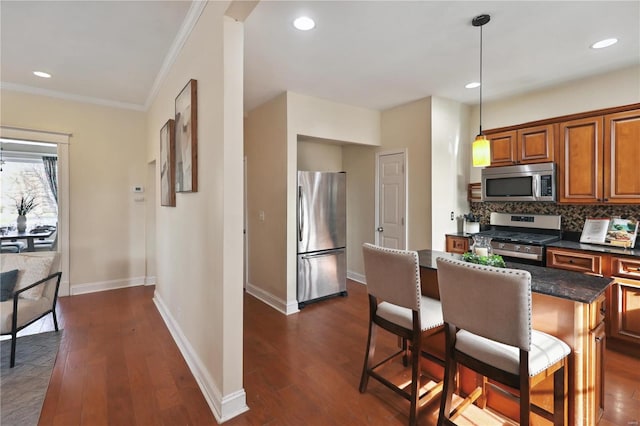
x,y
523,146
503,148
622,157
536,144
580,161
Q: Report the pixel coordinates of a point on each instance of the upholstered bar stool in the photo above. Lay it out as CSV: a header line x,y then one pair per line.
x,y
487,315
396,305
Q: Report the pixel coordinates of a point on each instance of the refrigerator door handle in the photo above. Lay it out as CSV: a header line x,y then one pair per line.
x,y
324,253
300,216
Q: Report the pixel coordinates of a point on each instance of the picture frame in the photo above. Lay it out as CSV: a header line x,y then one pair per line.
x,y
167,164
186,139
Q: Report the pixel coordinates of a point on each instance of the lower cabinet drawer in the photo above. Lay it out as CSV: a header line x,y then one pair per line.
x,y
457,244
574,261
625,267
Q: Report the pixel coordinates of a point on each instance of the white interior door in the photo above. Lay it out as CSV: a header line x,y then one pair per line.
x,y
391,199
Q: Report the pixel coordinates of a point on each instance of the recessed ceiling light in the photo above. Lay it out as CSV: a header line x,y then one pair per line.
x,y
472,85
604,43
42,74
304,23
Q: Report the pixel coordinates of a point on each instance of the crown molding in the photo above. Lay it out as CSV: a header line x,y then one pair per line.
x,y
189,23
69,96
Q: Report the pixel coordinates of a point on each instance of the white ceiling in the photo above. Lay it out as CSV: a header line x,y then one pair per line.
x,y
374,54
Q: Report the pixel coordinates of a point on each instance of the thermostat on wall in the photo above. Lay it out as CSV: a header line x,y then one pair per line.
x,y
138,189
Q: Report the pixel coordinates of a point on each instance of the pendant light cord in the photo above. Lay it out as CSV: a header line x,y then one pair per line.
x,y
480,79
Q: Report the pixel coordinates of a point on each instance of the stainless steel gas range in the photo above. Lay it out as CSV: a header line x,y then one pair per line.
x,y
523,237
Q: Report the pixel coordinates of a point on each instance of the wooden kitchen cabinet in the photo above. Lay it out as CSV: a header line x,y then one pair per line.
x,y
457,244
523,146
580,162
622,157
598,159
578,261
624,305
597,339
622,297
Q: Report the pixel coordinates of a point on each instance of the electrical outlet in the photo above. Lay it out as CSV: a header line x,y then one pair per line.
x,y
261,215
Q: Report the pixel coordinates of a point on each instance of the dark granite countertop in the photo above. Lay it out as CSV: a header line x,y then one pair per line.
x,y
576,245
459,234
569,285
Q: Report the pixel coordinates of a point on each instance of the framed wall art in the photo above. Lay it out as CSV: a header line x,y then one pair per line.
x,y
167,164
187,138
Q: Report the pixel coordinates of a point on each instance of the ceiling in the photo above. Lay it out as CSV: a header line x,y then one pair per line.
x,y
374,54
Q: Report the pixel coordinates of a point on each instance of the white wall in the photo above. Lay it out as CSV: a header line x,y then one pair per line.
x,y
449,165
199,287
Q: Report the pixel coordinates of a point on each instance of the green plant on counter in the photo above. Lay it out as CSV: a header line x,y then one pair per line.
x,y
494,260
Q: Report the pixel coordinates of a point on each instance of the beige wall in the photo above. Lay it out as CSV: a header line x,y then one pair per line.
x,y
319,157
199,242
271,146
409,126
360,164
106,159
266,152
612,89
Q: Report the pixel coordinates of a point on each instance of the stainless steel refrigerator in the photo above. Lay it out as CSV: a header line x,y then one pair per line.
x,y
322,226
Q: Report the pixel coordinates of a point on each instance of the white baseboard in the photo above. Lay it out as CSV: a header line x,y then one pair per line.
x,y
223,408
105,285
151,280
63,290
276,303
356,277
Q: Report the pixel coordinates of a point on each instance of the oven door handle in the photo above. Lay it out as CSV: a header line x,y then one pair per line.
x,y
521,255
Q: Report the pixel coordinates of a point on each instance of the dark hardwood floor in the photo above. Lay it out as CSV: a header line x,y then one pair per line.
x,y
118,365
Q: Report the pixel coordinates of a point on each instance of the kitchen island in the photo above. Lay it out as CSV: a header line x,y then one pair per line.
x,y
568,305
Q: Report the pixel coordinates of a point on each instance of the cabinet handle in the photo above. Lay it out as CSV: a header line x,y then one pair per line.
x,y
570,260
605,200
598,339
603,310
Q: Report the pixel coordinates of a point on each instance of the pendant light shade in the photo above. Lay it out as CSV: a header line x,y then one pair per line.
x,y
481,149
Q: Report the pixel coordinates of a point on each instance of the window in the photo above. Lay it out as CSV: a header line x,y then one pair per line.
x,y
23,174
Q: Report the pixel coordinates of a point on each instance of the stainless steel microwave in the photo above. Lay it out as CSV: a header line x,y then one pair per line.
x,y
526,182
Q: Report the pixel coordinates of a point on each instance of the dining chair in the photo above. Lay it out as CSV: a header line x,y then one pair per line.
x,y
487,323
397,306
47,244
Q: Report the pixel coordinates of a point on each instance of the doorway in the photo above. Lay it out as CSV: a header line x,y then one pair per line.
x,y
34,143
391,199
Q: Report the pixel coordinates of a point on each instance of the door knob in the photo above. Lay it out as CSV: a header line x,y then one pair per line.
x,y
380,229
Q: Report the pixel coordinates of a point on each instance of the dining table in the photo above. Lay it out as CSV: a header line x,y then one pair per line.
x,y
30,235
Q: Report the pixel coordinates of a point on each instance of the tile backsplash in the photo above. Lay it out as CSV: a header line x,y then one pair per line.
x,y
573,216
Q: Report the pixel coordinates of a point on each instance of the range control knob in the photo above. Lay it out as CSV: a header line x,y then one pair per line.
x,y
501,245
527,249
516,248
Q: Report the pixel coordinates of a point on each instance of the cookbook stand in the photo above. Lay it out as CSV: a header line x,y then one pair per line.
x,y
610,231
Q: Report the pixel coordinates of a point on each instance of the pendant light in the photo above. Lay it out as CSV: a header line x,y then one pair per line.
x,y
481,148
